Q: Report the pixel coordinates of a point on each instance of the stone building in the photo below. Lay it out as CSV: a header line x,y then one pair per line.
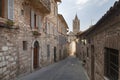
x,y
72,39
76,29
62,32
24,38
52,40
76,25
100,46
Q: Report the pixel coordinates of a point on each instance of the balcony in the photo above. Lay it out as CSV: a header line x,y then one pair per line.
x,y
42,5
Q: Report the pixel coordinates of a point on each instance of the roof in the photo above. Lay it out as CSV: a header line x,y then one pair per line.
x,y
62,18
113,10
76,17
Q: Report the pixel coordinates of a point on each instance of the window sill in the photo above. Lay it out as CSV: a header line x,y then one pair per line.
x,y
3,24
36,33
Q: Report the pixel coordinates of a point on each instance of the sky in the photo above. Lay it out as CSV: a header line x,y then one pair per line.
x,y
88,11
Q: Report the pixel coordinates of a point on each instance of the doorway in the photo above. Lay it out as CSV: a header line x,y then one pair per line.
x,y
92,63
36,55
55,56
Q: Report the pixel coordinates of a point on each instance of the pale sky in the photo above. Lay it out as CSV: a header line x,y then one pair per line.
x,y
88,11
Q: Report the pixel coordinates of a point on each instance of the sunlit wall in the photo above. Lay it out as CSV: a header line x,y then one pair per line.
x,y
72,48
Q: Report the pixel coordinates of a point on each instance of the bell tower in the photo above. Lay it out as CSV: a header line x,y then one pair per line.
x,y
76,25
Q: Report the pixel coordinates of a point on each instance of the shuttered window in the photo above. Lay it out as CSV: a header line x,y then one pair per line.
x,y
35,17
35,20
11,9
0,8
39,22
32,19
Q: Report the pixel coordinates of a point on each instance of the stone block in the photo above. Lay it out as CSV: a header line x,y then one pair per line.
x,y
11,59
0,59
4,63
1,71
6,72
13,63
7,57
9,44
4,48
1,54
1,64
10,48
4,69
3,58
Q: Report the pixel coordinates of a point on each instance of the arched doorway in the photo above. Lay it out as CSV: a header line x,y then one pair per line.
x,y
36,55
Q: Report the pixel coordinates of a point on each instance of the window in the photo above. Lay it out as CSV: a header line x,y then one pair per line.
x,y
48,30
54,10
11,9
22,12
7,7
2,8
24,45
111,61
48,51
39,21
35,20
87,52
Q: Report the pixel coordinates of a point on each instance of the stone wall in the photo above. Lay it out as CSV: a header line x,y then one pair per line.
x,y
104,35
14,60
8,54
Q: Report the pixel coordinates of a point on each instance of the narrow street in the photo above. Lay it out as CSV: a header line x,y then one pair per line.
x,y
68,69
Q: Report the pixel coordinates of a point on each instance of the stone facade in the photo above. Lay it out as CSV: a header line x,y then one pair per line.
x,y
24,36
100,40
62,32
72,35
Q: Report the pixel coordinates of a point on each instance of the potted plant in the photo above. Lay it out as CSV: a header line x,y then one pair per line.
x,y
36,33
10,23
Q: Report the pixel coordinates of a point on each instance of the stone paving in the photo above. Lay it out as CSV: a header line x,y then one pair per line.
x,y
68,69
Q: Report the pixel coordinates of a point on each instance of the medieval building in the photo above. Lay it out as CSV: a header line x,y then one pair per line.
x,y
76,29
76,25
28,36
72,35
100,46
62,32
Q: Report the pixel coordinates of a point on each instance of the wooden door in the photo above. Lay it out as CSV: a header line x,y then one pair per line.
x,y
36,55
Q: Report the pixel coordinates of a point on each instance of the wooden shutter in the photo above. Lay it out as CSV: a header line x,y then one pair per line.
x,y
11,9
1,8
32,18
39,23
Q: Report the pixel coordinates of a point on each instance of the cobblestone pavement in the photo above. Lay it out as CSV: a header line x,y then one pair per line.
x,y
68,69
